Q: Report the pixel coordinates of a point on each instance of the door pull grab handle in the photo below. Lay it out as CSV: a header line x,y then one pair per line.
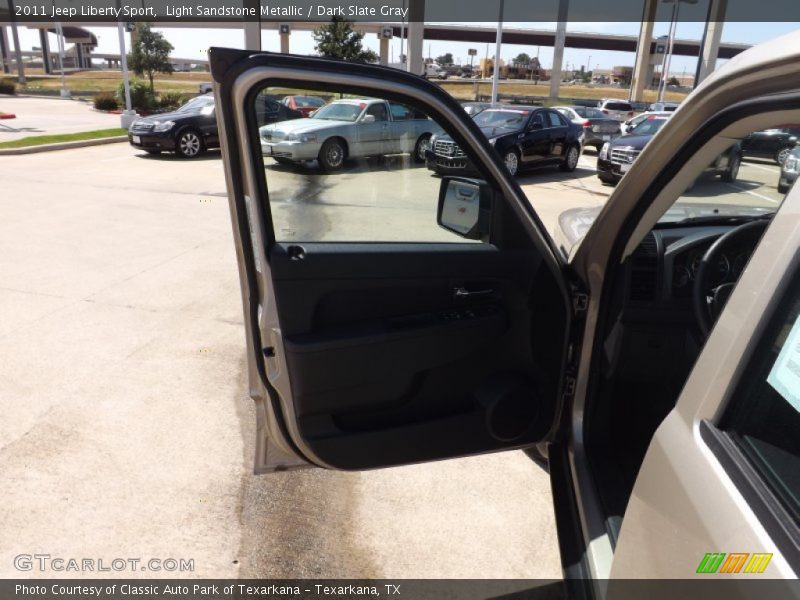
x,y
464,293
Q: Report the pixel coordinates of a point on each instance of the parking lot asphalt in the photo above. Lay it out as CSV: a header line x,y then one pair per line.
x,y
128,431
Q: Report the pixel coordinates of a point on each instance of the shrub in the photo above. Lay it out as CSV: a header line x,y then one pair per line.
x,y
8,87
106,101
171,100
142,98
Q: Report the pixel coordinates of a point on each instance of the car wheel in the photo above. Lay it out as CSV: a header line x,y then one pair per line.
x,y
570,161
189,144
782,155
421,147
732,172
783,188
153,151
331,155
511,161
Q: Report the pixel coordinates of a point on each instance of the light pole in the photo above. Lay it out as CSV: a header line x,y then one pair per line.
x,y
60,35
129,115
498,43
673,26
402,32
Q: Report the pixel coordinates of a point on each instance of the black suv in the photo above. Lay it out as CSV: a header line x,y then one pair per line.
x,y
192,129
617,156
523,136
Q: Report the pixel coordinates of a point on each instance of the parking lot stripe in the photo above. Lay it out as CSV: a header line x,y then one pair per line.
x,y
752,193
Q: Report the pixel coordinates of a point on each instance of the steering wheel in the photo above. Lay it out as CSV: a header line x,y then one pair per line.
x,y
709,300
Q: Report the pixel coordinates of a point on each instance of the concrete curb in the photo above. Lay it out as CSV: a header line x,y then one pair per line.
x,y
63,145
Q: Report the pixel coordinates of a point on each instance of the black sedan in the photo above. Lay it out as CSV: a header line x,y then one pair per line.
x,y
523,136
617,156
771,143
192,129
598,128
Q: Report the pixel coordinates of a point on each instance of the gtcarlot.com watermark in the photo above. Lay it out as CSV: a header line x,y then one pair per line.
x,y
43,563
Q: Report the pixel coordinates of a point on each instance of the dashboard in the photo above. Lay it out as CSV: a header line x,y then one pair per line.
x,y
727,267
663,268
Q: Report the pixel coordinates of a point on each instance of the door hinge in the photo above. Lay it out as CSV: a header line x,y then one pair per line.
x,y
580,302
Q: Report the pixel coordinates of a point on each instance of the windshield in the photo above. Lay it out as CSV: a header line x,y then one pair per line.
x,y
473,109
197,104
590,113
743,182
308,101
511,119
649,126
339,111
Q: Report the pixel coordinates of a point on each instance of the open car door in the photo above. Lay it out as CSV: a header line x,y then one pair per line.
x,y
391,316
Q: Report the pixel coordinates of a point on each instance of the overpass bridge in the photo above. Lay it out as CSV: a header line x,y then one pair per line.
x,y
647,50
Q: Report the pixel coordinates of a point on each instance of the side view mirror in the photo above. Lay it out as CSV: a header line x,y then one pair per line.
x,y
465,207
368,119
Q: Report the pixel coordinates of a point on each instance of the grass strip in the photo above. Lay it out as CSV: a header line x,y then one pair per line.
x,y
38,140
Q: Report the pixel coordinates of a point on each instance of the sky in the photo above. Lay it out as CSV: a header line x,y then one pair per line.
x,y
193,43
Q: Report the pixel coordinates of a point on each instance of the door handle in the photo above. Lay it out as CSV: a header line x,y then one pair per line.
x,y
461,293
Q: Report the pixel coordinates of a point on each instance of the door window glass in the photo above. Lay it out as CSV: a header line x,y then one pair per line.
x,y
555,120
764,415
400,112
378,110
332,177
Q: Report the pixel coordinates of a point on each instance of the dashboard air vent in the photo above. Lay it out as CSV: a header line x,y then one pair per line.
x,y
644,270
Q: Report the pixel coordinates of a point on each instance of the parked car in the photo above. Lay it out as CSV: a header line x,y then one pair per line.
x,y
523,136
205,88
789,170
351,128
303,104
771,143
473,108
617,157
619,110
663,107
192,129
434,71
626,126
598,128
664,407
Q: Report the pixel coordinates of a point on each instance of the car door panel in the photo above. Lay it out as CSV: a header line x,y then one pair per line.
x,y
535,140
557,135
364,355
384,325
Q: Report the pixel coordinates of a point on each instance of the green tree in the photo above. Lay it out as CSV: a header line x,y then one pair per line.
x,y
150,53
445,59
523,59
674,81
338,39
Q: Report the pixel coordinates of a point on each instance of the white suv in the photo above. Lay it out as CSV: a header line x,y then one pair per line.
x,y
619,110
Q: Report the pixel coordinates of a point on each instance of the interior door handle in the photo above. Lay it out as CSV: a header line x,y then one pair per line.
x,y
461,293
